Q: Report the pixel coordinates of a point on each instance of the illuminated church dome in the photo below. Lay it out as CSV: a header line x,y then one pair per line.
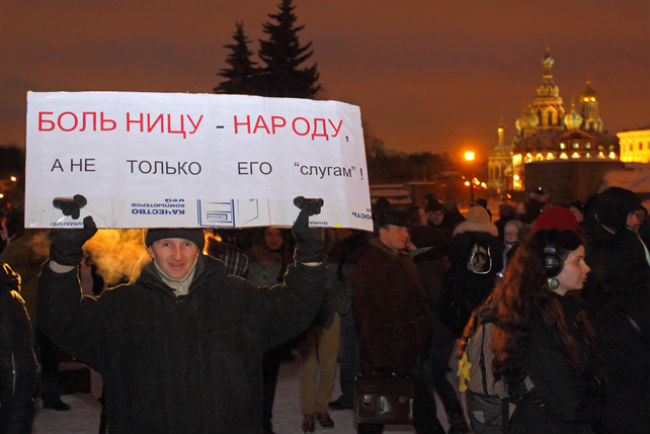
x,y
546,132
573,120
589,109
527,122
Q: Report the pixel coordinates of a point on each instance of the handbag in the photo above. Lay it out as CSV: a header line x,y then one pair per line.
x,y
383,399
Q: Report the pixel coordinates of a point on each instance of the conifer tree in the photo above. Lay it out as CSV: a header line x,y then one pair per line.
x,y
283,74
242,75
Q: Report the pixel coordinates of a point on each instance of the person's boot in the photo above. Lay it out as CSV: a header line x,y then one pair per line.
x,y
308,423
325,420
338,404
57,405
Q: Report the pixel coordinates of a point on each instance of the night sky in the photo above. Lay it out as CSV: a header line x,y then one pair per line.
x,y
428,75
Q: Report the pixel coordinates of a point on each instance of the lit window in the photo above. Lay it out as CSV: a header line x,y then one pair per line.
x,y
529,158
612,155
601,155
562,145
576,145
550,156
588,145
516,159
575,155
539,157
563,156
588,155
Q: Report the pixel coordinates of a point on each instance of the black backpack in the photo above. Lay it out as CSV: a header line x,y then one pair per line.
x,y
480,258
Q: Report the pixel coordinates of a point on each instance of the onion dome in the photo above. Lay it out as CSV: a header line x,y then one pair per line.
x,y
573,120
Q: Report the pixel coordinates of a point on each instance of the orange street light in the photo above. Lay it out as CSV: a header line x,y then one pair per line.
x,y
13,179
469,157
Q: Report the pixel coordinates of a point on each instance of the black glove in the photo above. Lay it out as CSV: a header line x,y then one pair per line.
x,y
309,242
67,244
9,277
69,206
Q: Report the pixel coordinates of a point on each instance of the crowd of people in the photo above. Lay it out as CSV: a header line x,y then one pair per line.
x,y
196,342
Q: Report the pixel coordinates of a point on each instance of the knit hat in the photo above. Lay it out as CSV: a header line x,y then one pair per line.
x,y
613,205
556,217
433,205
193,235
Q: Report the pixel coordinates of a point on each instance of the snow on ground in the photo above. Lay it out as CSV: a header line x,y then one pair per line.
x,y
83,418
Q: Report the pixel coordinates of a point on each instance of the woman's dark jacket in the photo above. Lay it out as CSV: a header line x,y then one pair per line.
x,y
464,290
390,310
562,401
475,287
187,364
17,361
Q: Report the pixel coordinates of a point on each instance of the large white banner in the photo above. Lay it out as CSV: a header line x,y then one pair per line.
x,y
188,160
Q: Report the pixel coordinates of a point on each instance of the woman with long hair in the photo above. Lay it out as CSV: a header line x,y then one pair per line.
x,y
541,337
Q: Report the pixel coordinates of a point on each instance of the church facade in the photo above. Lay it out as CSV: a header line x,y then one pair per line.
x,y
545,131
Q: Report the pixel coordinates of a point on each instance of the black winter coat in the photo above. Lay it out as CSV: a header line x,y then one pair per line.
x,y
17,361
561,401
463,290
618,290
188,364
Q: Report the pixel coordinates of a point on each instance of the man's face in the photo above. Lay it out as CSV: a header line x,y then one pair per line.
x,y
634,220
394,237
436,217
510,234
175,256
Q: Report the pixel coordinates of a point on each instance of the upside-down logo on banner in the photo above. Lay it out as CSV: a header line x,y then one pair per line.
x,y
184,160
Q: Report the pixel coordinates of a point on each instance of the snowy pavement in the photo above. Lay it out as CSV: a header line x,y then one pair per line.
x,y
83,418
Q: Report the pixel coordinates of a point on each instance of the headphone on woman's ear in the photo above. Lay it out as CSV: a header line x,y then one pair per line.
x,y
552,261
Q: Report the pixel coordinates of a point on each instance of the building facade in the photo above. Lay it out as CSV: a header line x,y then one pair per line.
x,y
635,145
545,131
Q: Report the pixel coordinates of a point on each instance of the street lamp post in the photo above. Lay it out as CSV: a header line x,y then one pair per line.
x,y
469,157
7,185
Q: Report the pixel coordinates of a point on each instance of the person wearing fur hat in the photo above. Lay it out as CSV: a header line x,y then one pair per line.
x,y
180,349
475,256
392,316
618,289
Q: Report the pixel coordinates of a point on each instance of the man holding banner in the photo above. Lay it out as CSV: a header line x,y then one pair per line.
x,y
180,349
